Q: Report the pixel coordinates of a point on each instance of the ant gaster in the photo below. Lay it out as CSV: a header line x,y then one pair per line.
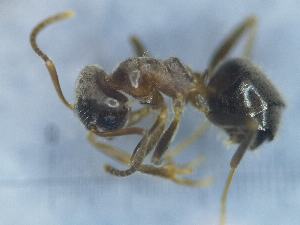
x,y
233,94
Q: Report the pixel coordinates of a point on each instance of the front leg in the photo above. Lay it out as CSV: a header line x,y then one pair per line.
x,y
148,141
169,171
138,115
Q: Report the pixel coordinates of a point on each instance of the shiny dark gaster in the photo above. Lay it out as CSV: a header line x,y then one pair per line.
x,y
242,94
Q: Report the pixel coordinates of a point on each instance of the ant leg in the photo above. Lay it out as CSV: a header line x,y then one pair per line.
x,y
195,163
174,173
49,64
112,152
168,172
130,130
120,132
234,164
171,154
140,131
138,115
250,24
163,144
139,48
147,142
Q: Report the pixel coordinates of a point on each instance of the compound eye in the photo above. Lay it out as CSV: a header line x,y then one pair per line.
x,y
107,115
112,115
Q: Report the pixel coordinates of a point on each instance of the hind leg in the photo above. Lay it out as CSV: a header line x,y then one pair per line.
x,y
248,26
237,157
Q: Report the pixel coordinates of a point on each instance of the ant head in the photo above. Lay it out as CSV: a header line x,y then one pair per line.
x,y
98,105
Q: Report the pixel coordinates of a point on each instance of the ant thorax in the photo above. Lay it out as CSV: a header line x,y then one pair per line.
x,y
141,76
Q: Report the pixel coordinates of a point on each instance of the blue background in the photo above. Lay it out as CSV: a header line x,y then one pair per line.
x,y
50,175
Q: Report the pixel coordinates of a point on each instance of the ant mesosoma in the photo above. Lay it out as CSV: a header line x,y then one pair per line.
x,y
233,94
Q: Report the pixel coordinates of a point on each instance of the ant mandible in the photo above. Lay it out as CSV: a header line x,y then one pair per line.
x,y
233,94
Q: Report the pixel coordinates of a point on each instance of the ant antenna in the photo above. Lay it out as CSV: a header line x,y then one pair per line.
x,y
48,62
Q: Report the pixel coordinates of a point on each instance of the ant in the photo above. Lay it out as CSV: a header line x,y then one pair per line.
x,y
233,94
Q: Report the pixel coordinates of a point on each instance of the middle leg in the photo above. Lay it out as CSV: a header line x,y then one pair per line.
x,y
146,144
165,140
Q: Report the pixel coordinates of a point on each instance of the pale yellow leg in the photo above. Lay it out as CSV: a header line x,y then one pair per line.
x,y
170,171
175,173
235,160
110,151
137,116
225,195
196,135
145,145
